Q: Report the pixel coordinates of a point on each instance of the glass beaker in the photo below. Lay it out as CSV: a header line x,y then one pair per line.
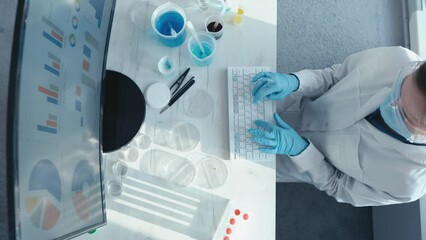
x,y
209,44
169,21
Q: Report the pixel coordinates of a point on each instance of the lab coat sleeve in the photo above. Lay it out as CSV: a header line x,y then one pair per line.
x,y
313,83
339,185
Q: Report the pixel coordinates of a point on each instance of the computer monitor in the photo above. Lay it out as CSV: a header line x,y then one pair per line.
x,y
58,65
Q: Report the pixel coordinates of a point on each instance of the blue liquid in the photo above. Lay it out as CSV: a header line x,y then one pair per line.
x,y
208,49
177,22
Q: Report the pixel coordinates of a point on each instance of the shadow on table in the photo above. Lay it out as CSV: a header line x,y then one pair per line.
x,y
185,210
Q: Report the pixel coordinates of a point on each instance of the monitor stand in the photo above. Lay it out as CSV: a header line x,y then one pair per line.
x,y
123,110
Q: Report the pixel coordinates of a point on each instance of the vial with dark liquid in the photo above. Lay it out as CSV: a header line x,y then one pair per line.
x,y
214,25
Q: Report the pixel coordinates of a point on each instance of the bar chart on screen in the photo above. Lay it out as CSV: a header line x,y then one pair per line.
x,y
51,92
53,33
50,125
53,64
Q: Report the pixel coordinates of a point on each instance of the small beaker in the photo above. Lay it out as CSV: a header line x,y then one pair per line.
x,y
214,25
120,168
114,187
142,141
209,44
128,154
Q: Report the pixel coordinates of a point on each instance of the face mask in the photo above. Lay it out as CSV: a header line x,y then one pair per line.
x,y
393,112
390,113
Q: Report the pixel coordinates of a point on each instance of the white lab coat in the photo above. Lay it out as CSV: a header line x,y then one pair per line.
x,y
349,158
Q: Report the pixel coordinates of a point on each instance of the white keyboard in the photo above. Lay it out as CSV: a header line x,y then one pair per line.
x,y
243,113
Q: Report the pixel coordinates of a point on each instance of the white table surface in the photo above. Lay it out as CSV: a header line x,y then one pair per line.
x,y
135,52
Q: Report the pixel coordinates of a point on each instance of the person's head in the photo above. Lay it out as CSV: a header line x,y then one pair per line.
x,y
413,100
404,110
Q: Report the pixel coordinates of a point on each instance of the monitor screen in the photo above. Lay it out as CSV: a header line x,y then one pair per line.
x,y
60,64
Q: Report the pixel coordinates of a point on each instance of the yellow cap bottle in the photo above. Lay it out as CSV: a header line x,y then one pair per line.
x,y
239,15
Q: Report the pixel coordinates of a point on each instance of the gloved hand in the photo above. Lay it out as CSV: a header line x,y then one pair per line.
x,y
273,86
280,138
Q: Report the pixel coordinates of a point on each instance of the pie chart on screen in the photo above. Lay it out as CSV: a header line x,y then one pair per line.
x,y
83,176
45,195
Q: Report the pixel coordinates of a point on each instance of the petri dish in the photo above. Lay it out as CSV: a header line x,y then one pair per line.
x,y
198,104
114,187
157,95
211,173
180,173
153,162
174,169
184,137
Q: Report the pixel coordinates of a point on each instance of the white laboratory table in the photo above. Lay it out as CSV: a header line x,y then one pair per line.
x,y
148,208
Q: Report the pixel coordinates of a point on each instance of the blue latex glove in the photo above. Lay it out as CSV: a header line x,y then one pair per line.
x,y
273,86
278,139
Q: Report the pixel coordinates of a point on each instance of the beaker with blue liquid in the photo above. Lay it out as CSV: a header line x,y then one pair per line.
x,y
208,43
169,21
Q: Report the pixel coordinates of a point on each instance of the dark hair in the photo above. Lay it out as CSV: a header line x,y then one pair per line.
x,y
421,78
